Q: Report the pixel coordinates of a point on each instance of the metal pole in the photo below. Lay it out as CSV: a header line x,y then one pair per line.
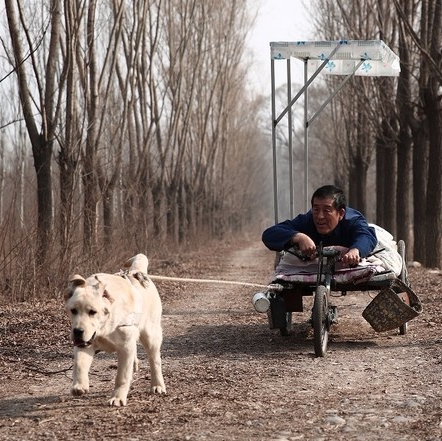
x,y
290,138
275,170
306,166
311,79
334,93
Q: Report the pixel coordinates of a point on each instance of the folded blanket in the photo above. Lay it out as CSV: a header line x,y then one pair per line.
x,y
389,257
293,269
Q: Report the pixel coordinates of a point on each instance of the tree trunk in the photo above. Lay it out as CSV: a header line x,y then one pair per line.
x,y
420,173
41,141
68,166
42,153
160,215
90,179
358,186
434,185
184,216
433,110
172,215
108,216
381,154
389,208
69,154
404,150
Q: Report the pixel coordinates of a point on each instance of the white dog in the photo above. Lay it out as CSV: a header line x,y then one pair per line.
x,y
111,312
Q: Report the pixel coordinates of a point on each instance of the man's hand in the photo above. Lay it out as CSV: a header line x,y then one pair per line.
x,y
305,245
352,257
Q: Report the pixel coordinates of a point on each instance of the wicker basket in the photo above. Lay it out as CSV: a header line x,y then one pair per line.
x,y
388,311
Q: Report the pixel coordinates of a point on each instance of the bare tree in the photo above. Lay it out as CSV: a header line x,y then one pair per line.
x,y
433,111
354,138
428,42
420,143
42,100
141,111
404,150
385,120
69,144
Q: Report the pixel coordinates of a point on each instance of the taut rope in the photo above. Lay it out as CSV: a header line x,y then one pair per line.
x,y
274,287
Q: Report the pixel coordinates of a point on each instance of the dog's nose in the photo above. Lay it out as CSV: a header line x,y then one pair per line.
x,y
78,332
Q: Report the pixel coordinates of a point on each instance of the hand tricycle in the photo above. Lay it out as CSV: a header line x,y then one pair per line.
x,y
392,308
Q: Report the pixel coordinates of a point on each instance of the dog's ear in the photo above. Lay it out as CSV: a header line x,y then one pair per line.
x,y
105,294
77,280
74,281
108,296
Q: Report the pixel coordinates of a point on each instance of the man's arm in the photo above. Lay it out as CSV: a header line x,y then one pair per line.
x,y
364,236
284,235
279,236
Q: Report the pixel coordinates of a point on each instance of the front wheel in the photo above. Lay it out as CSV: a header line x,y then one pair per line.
x,y
320,321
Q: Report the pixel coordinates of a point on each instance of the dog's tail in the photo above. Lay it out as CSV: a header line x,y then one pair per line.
x,y
138,263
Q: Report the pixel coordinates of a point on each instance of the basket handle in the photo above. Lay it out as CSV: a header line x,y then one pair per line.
x,y
415,302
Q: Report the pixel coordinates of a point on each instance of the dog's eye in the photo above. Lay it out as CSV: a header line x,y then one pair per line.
x,y
92,312
73,311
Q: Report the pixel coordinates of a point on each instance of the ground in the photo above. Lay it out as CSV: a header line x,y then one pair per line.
x,y
228,376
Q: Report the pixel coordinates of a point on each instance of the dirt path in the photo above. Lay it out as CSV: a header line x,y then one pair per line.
x,y
228,376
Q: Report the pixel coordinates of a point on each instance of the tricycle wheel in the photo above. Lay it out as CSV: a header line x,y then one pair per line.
x,y
321,321
285,330
403,329
403,276
278,316
404,273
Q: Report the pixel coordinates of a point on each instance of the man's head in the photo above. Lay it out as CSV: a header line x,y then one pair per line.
x,y
328,208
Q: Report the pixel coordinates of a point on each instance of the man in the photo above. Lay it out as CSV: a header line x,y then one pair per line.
x,y
329,221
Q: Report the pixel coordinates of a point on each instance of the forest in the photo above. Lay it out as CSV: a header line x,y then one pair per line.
x,y
127,127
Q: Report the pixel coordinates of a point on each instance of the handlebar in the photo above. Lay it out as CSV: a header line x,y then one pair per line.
x,y
330,252
320,251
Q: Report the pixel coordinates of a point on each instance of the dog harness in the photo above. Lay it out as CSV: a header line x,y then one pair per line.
x,y
133,318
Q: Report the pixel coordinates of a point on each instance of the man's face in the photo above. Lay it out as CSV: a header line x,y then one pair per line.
x,y
325,216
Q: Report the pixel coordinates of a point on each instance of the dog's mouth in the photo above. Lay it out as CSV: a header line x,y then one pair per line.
x,y
80,343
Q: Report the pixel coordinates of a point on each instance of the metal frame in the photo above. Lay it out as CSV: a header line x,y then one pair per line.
x,y
276,119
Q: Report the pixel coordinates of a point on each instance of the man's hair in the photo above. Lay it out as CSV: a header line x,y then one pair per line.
x,y
327,191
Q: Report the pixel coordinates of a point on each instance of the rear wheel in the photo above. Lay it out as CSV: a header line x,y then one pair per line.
x,y
278,316
403,276
404,273
320,321
286,329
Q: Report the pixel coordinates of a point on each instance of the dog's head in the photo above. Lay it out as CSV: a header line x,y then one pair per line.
x,y
138,263
87,304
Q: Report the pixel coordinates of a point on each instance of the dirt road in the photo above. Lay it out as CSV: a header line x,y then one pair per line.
x,y
228,376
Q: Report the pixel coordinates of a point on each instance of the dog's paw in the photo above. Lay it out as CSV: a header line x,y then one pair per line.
x,y
118,401
158,389
78,390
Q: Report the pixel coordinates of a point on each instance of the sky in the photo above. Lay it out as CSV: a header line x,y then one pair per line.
x,y
278,20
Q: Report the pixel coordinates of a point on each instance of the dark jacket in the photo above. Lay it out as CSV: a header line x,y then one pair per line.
x,y
352,231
